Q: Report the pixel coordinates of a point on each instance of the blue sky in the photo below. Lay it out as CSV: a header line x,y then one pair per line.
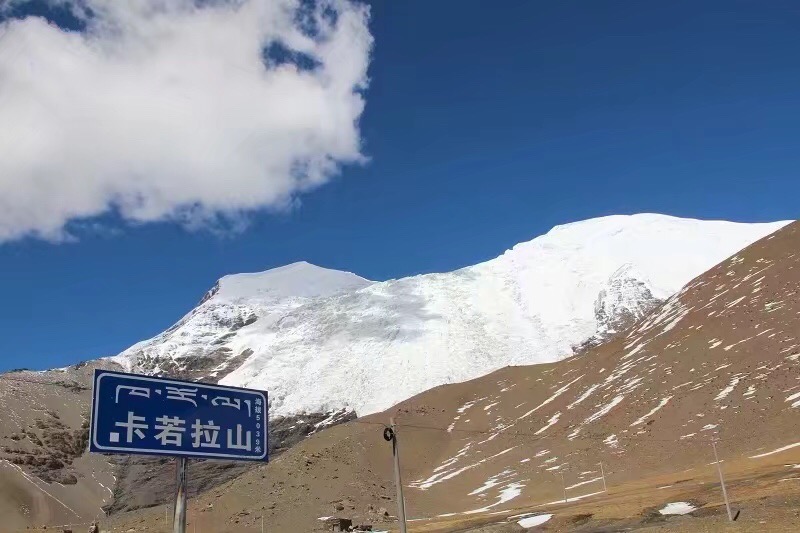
x,y
482,128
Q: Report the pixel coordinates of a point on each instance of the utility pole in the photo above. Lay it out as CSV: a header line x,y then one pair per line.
x,y
603,473
390,434
564,484
722,481
179,515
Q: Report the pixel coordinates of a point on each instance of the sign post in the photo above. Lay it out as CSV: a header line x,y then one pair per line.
x,y
179,518
133,414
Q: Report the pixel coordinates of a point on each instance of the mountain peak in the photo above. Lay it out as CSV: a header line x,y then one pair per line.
x,y
296,280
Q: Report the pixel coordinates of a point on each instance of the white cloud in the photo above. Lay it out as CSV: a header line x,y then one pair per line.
x,y
165,110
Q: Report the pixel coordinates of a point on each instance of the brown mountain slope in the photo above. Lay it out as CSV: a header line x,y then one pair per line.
x,y
721,359
48,478
45,475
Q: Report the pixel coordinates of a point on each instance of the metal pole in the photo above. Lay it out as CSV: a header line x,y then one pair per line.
x,y
602,473
722,482
401,503
564,484
262,523
179,516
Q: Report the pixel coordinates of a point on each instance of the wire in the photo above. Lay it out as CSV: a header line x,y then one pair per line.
x,y
526,434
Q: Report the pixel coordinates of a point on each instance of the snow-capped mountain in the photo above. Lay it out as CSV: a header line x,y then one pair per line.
x,y
198,345
321,340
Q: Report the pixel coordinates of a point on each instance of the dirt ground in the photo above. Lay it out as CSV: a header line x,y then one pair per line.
x,y
764,497
764,494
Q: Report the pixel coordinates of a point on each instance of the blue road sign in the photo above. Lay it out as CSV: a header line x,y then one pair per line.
x,y
134,414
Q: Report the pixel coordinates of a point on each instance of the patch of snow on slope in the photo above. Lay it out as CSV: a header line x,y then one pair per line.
x,y
779,450
508,493
653,411
727,390
572,499
792,398
550,423
552,397
677,508
493,481
444,475
583,396
581,483
536,520
605,409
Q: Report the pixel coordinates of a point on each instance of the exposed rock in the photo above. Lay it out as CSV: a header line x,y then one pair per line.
x,y
625,299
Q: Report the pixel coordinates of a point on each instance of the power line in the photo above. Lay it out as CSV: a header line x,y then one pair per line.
x,y
527,434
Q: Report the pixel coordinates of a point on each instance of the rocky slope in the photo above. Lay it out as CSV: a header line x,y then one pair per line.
x,y
321,340
48,478
200,346
622,302
719,360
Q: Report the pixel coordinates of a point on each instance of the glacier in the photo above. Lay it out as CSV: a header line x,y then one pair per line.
x,y
322,340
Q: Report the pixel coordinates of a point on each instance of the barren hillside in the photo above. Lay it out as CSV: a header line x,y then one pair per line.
x,y
45,475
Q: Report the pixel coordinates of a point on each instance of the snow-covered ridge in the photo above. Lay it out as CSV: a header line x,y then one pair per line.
x,y
235,301
321,340
297,280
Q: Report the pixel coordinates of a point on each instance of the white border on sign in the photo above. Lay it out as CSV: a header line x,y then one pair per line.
x,y
170,452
